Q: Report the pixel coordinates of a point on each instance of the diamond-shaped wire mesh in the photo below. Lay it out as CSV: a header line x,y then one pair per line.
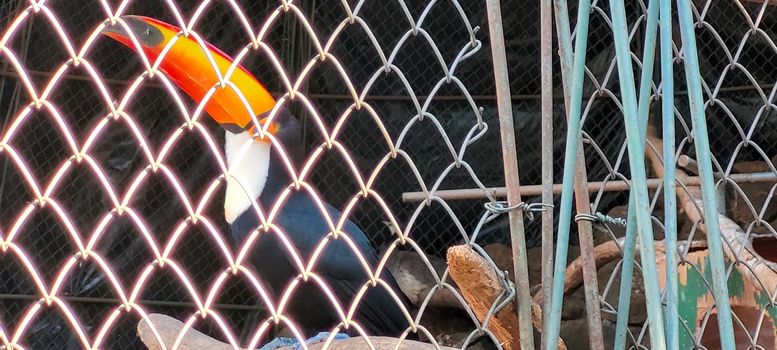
x,y
737,54
94,202
737,57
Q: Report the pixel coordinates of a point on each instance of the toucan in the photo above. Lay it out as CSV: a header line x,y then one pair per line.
x,y
258,174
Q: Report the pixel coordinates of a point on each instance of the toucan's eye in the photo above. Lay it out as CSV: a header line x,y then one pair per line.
x,y
148,31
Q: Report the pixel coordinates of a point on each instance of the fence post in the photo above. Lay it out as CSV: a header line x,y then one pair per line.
x,y
627,268
570,158
670,197
636,152
582,202
546,58
704,162
507,131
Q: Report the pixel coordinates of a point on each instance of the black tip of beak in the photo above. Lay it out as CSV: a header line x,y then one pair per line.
x,y
114,28
148,35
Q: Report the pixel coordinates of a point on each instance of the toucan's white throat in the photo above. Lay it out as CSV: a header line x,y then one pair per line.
x,y
248,163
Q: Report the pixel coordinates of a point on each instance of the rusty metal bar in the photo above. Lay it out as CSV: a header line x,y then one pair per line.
x,y
582,198
585,231
546,68
574,114
510,158
606,186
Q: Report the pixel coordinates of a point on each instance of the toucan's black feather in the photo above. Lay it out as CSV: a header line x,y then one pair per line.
x,y
305,225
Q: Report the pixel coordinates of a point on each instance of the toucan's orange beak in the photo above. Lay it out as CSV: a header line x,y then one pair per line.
x,y
188,66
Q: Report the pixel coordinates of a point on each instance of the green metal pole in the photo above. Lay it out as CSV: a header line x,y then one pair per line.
x,y
570,158
670,196
627,268
704,160
639,180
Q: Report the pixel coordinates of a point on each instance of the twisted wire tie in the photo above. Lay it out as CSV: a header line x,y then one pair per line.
x,y
501,207
601,218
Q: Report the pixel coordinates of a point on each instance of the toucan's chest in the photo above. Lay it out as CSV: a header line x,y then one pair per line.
x,y
248,166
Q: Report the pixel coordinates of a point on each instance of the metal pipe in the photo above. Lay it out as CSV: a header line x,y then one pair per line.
x,y
636,151
145,302
605,186
546,74
627,268
566,62
510,159
582,197
702,142
565,53
570,157
671,313
514,97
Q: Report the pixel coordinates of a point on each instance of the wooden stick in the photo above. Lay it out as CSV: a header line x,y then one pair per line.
x,y
169,328
480,285
603,254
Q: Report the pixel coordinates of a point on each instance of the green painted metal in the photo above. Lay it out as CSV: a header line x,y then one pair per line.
x,y
636,150
704,160
682,299
627,269
695,287
670,198
573,137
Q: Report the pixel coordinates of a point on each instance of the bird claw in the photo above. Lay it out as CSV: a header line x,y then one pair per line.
x,y
281,342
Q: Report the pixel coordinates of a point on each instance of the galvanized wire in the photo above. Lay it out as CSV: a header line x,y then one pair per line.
x,y
733,38
737,53
159,152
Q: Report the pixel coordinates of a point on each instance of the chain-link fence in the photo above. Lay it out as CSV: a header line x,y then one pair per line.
x,y
735,41
88,204
55,198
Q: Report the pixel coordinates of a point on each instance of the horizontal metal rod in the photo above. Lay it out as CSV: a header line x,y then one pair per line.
x,y
606,186
116,301
515,97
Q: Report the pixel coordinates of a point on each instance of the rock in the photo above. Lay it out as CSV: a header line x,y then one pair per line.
x,y
601,234
572,253
502,256
416,280
637,310
448,326
574,304
535,265
575,334
756,194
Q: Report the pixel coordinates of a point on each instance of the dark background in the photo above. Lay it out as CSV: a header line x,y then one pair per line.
x,y
40,143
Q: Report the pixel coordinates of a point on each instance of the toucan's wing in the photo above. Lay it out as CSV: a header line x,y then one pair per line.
x,y
304,223
377,312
